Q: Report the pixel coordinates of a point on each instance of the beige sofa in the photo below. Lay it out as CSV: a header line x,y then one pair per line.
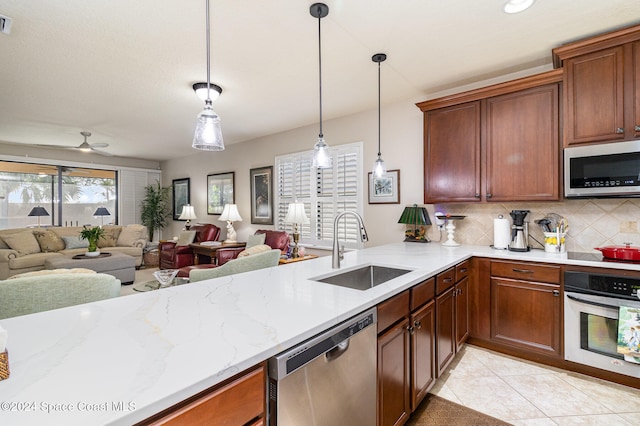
x,y
27,249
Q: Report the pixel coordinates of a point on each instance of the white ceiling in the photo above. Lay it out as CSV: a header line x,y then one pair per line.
x,y
123,69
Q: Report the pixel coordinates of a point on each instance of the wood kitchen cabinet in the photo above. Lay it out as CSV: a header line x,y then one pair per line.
x,y
526,306
452,315
602,87
478,143
238,401
406,360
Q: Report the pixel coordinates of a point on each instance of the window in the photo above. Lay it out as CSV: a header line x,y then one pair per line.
x,y
70,195
324,192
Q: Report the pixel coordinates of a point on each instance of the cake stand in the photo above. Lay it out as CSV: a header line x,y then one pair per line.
x,y
451,229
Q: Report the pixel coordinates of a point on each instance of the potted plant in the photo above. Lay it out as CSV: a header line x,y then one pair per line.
x,y
92,235
155,208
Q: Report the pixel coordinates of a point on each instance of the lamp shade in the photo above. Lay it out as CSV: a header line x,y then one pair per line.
x,y
230,213
296,214
202,93
188,213
38,211
415,216
102,211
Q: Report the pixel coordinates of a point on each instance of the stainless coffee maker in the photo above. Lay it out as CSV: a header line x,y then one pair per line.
x,y
519,231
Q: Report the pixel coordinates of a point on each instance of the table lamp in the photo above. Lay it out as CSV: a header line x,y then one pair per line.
x,y
230,214
188,214
102,212
38,211
416,216
296,216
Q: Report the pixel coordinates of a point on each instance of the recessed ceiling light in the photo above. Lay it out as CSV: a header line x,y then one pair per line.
x,y
515,6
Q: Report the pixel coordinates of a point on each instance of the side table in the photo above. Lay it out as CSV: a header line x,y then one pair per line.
x,y
296,259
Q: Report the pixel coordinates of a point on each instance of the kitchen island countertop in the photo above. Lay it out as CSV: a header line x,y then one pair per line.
x,y
121,360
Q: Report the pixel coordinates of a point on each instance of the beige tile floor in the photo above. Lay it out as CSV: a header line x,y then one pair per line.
x,y
526,393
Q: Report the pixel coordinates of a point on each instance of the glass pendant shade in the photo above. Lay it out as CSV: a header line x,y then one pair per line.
x,y
321,155
379,168
208,134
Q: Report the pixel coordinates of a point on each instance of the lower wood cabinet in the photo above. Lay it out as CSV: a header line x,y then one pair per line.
x,y
240,401
406,358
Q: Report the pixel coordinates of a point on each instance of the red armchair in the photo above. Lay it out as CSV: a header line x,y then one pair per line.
x,y
173,256
274,239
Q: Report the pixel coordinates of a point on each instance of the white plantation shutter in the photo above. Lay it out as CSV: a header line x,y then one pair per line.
x,y
324,192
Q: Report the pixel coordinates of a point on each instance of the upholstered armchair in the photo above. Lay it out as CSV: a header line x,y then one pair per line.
x,y
274,239
175,256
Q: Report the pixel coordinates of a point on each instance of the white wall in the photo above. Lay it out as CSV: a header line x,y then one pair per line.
x,y
401,136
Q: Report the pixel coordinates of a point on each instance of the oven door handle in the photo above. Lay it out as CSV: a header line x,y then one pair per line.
x,y
589,302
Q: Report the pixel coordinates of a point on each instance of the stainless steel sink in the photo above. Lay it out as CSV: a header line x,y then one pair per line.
x,y
363,278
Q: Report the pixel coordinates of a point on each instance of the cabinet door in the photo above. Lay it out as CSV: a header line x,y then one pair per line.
x,y
422,353
462,312
452,154
394,402
522,145
526,314
636,86
445,331
594,97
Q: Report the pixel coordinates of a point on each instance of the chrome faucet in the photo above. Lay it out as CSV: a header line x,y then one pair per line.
x,y
337,253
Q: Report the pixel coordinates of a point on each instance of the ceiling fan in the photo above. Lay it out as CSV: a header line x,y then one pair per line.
x,y
85,146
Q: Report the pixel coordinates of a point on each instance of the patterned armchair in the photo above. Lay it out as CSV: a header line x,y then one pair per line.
x,y
173,256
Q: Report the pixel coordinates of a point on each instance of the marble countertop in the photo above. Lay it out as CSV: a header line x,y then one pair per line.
x,y
121,360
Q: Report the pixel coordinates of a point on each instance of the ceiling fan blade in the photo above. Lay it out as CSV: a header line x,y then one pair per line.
x,y
56,146
105,153
99,145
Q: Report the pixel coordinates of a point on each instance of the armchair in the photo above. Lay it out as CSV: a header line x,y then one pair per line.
x,y
274,239
173,256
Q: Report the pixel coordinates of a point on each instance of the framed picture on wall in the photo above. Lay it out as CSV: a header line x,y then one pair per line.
x,y
220,191
181,196
385,189
262,195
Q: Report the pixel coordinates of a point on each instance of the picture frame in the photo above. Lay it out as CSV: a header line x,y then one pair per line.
x,y
261,180
181,195
385,189
220,191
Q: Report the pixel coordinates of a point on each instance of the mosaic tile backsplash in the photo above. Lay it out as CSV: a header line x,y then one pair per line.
x,y
592,222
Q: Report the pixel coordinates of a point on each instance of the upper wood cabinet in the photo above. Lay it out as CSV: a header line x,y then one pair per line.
x,y
602,87
498,143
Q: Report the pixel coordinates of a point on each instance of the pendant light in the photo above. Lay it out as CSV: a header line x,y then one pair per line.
x,y
379,168
208,135
321,156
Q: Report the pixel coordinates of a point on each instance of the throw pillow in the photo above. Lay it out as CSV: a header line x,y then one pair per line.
x,y
110,238
130,234
23,242
254,250
53,272
255,240
74,242
186,238
48,240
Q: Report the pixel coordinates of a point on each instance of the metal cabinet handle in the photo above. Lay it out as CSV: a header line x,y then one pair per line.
x,y
637,128
524,271
463,270
410,329
417,324
447,280
489,195
477,195
556,293
619,130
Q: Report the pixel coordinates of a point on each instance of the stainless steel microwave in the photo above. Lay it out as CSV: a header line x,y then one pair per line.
x,y
604,170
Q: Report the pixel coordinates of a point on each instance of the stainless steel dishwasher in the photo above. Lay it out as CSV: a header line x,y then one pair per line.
x,y
328,380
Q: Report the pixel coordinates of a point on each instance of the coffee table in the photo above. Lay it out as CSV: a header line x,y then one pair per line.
x,y
209,251
155,285
120,265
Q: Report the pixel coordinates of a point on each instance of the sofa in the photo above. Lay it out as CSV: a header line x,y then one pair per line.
x,y
32,292
27,249
178,254
262,260
275,239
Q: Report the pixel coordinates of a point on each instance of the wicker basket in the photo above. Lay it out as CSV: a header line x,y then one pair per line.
x,y
151,258
4,365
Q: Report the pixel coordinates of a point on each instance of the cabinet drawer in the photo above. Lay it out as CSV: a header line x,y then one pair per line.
x,y
462,270
422,293
238,402
392,310
526,271
445,279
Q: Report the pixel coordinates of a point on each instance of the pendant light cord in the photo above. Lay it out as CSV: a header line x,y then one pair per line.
x,y
320,67
208,56
379,110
